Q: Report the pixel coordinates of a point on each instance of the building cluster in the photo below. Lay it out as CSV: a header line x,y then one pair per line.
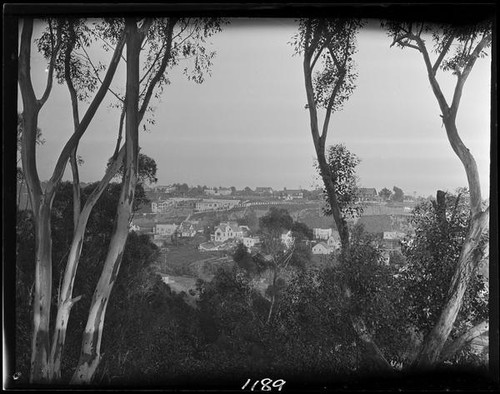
x,y
326,241
221,191
162,206
196,204
162,232
227,235
206,205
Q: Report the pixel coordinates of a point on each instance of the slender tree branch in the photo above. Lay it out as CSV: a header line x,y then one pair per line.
x,y
161,70
485,41
54,51
336,89
76,123
30,115
432,79
87,57
318,54
71,143
120,130
109,45
152,64
443,53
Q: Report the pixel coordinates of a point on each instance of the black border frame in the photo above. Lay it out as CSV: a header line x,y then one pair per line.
x,y
444,11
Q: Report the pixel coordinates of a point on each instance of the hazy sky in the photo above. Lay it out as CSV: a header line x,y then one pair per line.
x,y
246,125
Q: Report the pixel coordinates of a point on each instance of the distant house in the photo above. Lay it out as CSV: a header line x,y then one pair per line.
x,y
134,227
334,241
367,194
264,190
321,248
161,206
210,191
164,230
187,229
292,194
287,239
251,242
322,233
206,205
229,230
184,202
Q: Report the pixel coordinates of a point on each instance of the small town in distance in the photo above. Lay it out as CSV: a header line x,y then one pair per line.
x,y
198,229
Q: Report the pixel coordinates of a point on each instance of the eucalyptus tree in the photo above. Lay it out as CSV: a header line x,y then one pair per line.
x,y
456,48
431,254
342,164
328,46
165,43
41,199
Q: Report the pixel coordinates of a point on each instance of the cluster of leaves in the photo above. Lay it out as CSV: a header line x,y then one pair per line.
x,y
333,42
466,38
456,43
432,255
342,164
374,291
385,193
147,170
69,41
398,194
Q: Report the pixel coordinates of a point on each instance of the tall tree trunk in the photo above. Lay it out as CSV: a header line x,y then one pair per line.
x,y
319,145
42,296
470,256
41,200
91,342
66,300
357,322
41,205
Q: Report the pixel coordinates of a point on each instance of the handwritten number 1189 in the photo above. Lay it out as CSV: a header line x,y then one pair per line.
x,y
265,384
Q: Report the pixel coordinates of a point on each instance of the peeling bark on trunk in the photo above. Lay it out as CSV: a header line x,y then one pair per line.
x,y
91,343
42,297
